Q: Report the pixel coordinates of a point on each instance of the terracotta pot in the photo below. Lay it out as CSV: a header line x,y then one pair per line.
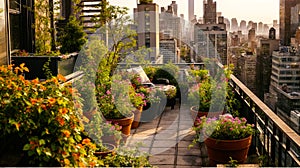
x,y
110,150
219,151
197,114
110,139
124,122
137,117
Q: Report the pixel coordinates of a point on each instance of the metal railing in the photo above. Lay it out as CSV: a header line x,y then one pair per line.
x,y
275,140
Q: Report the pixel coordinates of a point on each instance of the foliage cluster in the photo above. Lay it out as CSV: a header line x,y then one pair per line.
x,y
44,115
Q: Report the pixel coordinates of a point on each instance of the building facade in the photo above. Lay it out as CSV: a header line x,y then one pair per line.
x,y
264,63
209,12
285,20
147,17
246,67
169,51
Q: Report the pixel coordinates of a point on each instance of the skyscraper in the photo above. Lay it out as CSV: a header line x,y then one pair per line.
x,y
191,10
211,38
147,15
209,12
234,25
285,20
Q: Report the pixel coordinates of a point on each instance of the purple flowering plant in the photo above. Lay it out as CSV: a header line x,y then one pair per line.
x,y
226,127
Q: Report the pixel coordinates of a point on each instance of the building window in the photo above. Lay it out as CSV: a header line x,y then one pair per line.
x,y
15,20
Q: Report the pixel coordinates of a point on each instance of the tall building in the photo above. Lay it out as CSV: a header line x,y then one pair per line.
x,y
285,20
170,24
243,27
285,84
211,41
252,39
285,69
209,12
276,27
246,65
169,51
210,38
260,28
264,63
175,8
234,25
147,17
191,10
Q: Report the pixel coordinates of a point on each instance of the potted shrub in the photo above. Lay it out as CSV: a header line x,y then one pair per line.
x,y
226,138
114,102
211,96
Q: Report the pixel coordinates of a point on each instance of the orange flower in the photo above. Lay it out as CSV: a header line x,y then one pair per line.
x,y
67,162
81,164
10,66
55,80
63,111
67,133
61,78
44,107
61,121
52,100
35,81
33,101
86,141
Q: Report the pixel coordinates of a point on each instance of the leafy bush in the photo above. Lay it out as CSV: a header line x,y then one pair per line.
x,y
44,115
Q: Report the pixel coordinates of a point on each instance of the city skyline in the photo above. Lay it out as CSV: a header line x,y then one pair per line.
x,y
255,10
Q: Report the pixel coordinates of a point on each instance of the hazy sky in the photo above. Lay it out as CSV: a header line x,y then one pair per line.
x,y
256,10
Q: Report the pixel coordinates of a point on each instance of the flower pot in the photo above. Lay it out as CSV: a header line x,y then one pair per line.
x,y
110,150
219,151
197,114
63,65
137,117
110,139
124,122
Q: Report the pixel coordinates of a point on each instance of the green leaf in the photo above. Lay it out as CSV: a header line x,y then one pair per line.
x,y
47,152
26,147
78,138
38,150
42,142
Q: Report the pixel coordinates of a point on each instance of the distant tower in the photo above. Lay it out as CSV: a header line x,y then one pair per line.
x,y
234,25
147,15
243,26
260,28
264,63
209,12
285,20
191,10
175,7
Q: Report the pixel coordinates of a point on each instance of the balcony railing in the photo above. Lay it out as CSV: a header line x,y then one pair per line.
x,y
275,139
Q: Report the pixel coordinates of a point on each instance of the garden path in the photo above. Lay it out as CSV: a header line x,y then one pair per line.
x,y
167,138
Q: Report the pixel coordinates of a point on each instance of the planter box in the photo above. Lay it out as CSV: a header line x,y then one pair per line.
x,y
58,65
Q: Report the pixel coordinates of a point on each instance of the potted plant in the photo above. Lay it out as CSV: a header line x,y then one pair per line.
x,y
95,129
114,102
225,137
47,60
211,96
139,97
111,133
